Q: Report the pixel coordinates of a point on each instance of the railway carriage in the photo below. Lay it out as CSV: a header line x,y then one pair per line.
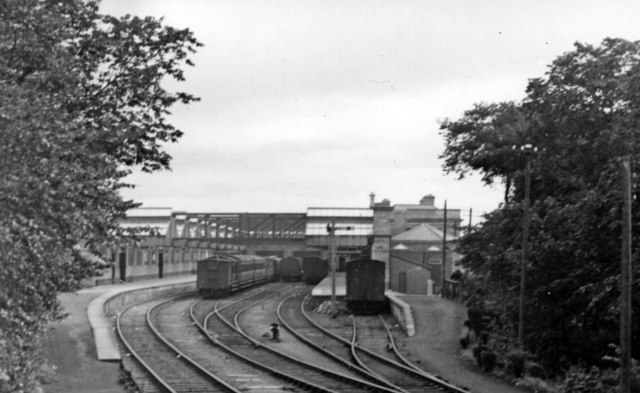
x,y
222,274
290,269
314,269
365,286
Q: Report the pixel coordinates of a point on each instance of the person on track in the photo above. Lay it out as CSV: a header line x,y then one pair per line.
x,y
275,332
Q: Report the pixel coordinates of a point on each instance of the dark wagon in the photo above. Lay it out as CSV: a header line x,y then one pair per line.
x,y
222,274
290,269
314,269
365,286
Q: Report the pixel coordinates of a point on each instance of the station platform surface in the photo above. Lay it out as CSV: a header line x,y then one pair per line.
x,y
324,287
74,345
102,325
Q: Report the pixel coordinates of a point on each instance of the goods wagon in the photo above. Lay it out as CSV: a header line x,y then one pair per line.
x,y
290,269
365,286
222,274
276,262
314,269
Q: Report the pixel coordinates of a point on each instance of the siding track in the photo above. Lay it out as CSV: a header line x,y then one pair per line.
x,y
188,344
362,344
170,371
223,327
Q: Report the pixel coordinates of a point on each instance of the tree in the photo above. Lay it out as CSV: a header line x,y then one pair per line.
x,y
582,116
483,140
81,100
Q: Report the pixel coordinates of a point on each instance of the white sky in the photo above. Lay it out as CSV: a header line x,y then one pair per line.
x,y
318,103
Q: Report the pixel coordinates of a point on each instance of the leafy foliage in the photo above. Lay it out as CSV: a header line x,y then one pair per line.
x,y
596,380
483,141
582,116
80,101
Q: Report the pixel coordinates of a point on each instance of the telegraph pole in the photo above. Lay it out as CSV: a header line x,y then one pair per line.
x,y
527,149
444,247
525,252
331,229
625,280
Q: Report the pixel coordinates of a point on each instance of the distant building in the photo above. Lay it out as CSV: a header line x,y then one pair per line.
x,y
410,237
405,217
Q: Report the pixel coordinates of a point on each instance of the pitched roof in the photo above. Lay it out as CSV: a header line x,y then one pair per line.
x,y
400,246
420,233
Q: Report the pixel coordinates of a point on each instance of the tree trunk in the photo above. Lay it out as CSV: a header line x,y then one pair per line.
x,y
507,188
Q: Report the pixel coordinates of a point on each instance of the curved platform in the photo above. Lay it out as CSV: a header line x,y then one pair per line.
x,y
101,315
324,287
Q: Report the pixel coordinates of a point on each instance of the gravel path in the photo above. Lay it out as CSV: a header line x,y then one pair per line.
x,y
436,345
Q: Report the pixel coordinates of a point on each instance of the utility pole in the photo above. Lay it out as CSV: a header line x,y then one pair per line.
x,y
625,280
470,213
331,229
444,247
525,245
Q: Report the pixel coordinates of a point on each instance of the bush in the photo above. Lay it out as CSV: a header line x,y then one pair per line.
x,y
477,352
595,380
483,338
536,385
583,381
516,363
464,342
475,319
535,370
488,361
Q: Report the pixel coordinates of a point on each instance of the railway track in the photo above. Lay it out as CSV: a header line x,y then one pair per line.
x,y
171,339
391,345
169,369
290,316
352,344
174,322
223,327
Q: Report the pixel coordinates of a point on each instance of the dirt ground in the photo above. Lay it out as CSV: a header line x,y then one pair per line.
x,y
436,345
70,349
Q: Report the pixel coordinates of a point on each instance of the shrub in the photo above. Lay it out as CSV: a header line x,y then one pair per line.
x,y
535,370
477,352
595,380
475,319
516,363
464,342
483,339
583,381
488,361
536,385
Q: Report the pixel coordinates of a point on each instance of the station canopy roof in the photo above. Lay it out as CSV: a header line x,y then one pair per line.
x,y
153,227
150,212
354,229
152,221
339,212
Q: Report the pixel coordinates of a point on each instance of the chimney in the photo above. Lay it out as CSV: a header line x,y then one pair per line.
x,y
372,199
427,200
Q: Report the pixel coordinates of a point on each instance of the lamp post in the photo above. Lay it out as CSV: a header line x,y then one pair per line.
x,y
331,230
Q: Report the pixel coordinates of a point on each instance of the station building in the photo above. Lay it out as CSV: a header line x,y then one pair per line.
x,y
413,240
